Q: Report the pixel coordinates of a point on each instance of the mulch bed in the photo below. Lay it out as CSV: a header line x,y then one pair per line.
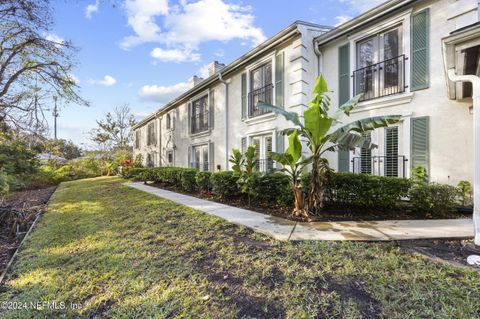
x,y
329,214
454,252
23,200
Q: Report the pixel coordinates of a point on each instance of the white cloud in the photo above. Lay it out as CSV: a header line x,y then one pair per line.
x,y
91,9
107,80
141,17
342,19
360,6
175,55
186,25
203,71
54,38
74,78
162,94
220,53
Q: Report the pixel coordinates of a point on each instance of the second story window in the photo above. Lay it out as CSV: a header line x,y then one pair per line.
x,y
261,89
137,138
169,121
199,116
380,65
151,134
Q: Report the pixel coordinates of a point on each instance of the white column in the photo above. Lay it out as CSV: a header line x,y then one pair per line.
x,y
475,80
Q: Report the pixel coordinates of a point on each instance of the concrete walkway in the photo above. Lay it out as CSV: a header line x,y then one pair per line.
x,y
283,229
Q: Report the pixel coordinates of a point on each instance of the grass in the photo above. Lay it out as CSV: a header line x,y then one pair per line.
x,y
121,253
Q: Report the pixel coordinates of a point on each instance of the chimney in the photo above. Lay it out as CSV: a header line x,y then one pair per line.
x,y
194,80
214,67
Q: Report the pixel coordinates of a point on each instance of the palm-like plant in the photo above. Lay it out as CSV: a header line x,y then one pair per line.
x,y
317,131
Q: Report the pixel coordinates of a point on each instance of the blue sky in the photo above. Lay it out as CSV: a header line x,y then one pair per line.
x,y
142,52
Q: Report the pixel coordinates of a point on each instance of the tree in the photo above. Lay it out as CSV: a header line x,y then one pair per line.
x,y
63,148
244,166
115,131
320,137
34,66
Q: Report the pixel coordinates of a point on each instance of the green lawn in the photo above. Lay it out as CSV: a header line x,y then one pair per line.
x,y
122,253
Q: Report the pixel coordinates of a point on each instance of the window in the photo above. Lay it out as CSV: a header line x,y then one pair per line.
x,y
380,65
391,152
169,122
137,138
200,157
261,89
151,134
263,151
199,115
366,157
170,158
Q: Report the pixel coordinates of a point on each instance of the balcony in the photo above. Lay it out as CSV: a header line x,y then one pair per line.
x,y
201,166
380,79
390,166
199,122
264,94
264,165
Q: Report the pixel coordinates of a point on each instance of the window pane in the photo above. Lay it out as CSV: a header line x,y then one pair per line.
x,y
390,45
365,53
267,74
256,78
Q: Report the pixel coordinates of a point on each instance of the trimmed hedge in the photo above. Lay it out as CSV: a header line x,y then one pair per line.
x,y
224,184
344,190
133,172
362,190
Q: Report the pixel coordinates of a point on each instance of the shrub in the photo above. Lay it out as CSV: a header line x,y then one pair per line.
x,y
465,191
133,172
434,198
203,180
224,184
189,183
4,186
349,190
274,188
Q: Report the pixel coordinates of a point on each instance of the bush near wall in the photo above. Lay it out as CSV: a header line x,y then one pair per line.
x,y
343,191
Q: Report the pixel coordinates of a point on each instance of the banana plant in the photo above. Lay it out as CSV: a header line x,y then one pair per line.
x,y
317,127
293,167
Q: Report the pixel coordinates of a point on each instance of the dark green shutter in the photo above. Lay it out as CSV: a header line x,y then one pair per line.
x,y
190,113
280,143
343,161
279,74
211,156
419,65
244,95
420,142
189,162
211,110
343,74
243,144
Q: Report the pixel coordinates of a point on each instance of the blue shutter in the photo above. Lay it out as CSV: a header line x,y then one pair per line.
x,y
279,74
419,66
343,74
211,156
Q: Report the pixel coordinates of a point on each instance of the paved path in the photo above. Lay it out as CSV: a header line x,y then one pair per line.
x,y
283,229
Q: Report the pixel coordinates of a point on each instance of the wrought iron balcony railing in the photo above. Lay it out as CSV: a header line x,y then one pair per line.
x,y
380,79
201,166
264,165
264,94
391,166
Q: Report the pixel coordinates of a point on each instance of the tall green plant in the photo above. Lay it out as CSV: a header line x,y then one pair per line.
x,y
244,166
293,167
317,129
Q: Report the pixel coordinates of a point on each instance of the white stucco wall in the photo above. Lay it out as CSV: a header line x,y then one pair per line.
x,y
450,135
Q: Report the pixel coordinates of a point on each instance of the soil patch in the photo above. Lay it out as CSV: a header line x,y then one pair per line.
x,y
454,252
23,200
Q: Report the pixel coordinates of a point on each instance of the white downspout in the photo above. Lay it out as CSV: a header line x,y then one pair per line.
x,y
226,119
475,80
319,55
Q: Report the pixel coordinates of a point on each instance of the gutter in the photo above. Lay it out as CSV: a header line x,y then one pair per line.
x,y
290,31
225,113
360,21
475,80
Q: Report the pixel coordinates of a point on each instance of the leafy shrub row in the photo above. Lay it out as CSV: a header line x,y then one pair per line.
x,y
343,190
